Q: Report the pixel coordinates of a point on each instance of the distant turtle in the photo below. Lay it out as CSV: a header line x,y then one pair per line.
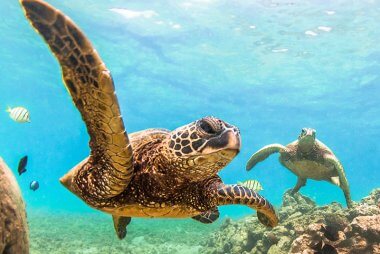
x,y
307,157
151,173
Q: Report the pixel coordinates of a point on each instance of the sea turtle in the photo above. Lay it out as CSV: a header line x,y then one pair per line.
x,y
307,157
14,238
151,173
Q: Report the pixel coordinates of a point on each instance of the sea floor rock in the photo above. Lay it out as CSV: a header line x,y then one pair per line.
x,y
305,228
13,225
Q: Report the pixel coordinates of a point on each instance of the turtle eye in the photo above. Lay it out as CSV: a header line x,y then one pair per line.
x,y
303,131
206,127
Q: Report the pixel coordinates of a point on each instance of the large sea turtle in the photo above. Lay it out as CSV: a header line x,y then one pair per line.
x,y
151,173
14,238
307,157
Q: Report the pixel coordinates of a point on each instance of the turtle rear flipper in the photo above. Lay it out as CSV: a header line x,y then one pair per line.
x,y
109,168
264,153
208,216
120,224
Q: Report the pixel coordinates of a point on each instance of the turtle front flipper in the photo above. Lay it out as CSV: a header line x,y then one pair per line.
x,y
342,182
264,153
237,194
120,224
109,169
208,216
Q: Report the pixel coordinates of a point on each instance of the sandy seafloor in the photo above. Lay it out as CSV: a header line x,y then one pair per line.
x,y
93,233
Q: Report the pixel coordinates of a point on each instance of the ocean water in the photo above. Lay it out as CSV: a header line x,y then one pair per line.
x,y
267,67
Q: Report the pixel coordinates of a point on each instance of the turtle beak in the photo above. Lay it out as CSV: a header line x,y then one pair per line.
x,y
310,132
234,139
228,140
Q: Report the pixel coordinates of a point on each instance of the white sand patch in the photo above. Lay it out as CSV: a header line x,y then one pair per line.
x,y
325,28
130,14
252,26
311,33
330,12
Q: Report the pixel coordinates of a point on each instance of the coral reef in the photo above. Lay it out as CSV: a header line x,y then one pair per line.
x,y
305,228
13,224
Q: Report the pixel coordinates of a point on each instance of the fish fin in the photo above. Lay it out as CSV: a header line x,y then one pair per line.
x,y
335,180
8,110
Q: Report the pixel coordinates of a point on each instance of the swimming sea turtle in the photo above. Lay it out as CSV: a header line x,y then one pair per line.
x,y
307,157
151,173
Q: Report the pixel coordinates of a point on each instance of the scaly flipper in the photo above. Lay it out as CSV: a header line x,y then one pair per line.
x,y
343,183
109,169
208,216
264,153
120,224
300,183
237,194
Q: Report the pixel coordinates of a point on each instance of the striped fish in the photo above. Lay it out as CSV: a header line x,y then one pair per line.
x,y
19,114
252,185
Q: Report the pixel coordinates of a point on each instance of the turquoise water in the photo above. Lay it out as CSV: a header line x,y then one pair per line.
x,y
269,68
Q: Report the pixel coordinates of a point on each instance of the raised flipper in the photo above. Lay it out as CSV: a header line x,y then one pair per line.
x,y
109,169
120,224
300,183
237,194
208,216
342,182
264,153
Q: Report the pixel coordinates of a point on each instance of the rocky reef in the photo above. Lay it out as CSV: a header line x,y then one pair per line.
x,y
13,225
305,228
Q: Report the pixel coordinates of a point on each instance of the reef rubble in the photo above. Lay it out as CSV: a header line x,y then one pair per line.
x,y
305,228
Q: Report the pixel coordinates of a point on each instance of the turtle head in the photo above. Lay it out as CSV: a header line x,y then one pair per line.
x,y
202,148
307,137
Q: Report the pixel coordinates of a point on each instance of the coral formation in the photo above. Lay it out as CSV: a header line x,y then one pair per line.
x,y
305,228
13,224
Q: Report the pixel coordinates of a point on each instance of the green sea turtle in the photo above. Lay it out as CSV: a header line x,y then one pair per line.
x,y
151,173
14,238
307,157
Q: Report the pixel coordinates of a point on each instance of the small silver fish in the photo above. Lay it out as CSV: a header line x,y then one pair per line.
x,y
34,185
19,114
252,184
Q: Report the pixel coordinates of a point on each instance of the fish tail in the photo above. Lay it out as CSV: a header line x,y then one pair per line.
x,y
8,110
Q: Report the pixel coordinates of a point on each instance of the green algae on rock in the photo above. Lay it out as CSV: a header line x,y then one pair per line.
x,y
305,228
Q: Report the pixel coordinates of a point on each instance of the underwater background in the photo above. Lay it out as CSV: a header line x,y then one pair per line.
x,y
268,67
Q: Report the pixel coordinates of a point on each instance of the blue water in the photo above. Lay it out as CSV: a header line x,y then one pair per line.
x,y
268,67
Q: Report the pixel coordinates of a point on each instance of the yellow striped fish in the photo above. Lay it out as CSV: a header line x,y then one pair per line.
x,y
252,184
19,114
